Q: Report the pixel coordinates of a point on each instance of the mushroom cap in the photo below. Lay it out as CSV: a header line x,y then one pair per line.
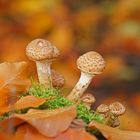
x,y
78,123
41,49
117,108
57,79
91,62
103,108
88,98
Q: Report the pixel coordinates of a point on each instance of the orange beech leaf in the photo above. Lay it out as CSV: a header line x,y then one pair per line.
x,y
3,136
4,93
12,80
73,134
29,101
114,133
49,122
8,125
27,132
12,74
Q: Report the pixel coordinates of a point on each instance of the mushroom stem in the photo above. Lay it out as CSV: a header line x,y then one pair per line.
x,y
80,87
44,73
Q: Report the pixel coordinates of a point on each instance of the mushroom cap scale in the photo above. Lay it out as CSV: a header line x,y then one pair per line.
x,y
41,49
91,62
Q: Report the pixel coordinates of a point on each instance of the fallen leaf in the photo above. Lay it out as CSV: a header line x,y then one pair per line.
x,y
49,122
73,134
12,74
4,93
13,79
8,125
29,101
114,133
3,136
27,132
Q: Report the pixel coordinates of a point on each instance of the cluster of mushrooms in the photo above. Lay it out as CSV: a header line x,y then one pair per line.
x,y
90,64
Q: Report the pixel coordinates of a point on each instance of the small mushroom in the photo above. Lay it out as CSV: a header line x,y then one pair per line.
x,y
112,120
116,122
90,64
103,109
43,53
57,79
78,124
117,109
88,99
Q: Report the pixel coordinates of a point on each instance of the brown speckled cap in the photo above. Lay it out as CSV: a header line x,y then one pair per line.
x,y
91,62
117,108
103,108
57,79
41,49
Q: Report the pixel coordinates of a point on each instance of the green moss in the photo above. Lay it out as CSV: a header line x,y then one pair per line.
x,y
56,103
88,115
22,111
40,90
5,115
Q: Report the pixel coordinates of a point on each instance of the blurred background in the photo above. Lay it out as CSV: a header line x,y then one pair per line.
x,y
110,27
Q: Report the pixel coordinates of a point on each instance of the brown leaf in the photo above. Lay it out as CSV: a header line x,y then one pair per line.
x,y
8,125
3,136
29,101
49,122
114,133
12,80
73,134
26,132
12,74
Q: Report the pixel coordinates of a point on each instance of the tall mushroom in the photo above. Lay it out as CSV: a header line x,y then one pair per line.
x,y
90,64
43,53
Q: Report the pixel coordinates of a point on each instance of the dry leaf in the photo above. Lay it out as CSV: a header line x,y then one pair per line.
x,y
114,133
73,134
29,101
49,122
26,132
8,125
3,136
12,80
13,74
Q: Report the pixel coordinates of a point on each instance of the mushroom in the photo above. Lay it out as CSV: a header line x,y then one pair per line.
x,y
43,53
103,109
111,113
117,109
78,124
90,64
57,79
88,99
115,122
